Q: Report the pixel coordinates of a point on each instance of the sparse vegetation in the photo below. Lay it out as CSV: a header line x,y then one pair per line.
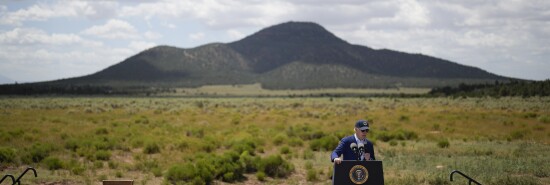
x,y
276,140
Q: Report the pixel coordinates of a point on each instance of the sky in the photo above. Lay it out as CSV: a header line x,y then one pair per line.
x,y
50,39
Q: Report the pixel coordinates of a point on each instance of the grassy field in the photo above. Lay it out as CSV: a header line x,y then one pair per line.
x,y
242,140
257,90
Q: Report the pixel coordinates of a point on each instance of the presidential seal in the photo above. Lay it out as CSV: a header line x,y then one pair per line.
x,y
358,174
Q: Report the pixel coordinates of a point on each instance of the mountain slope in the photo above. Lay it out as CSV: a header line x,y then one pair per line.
x,y
292,55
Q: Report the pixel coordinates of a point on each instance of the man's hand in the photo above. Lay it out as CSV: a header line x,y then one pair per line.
x,y
337,160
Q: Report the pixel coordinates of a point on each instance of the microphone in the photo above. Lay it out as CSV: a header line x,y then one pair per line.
x,y
353,147
361,150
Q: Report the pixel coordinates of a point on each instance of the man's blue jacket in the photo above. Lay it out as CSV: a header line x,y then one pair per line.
x,y
344,148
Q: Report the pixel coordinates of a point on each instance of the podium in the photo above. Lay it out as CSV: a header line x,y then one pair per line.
x,y
358,172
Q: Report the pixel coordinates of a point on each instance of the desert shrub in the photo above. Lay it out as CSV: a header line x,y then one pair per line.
x,y
157,172
181,173
7,155
112,165
205,171
104,143
544,119
241,146
515,180
146,165
260,176
443,143
404,118
182,145
53,163
103,155
393,143
248,162
285,150
518,134
118,174
72,145
228,167
405,135
276,166
542,172
384,136
77,170
317,134
101,131
279,139
37,153
98,164
294,142
308,165
325,143
151,148
438,180
399,135
311,175
307,154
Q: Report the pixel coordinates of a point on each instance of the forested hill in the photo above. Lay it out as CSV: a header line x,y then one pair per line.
x,y
292,55
514,88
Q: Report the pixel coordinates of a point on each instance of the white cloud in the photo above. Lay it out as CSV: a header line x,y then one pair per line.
x,y
235,34
113,29
479,39
138,46
33,36
196,36
42,11
152,35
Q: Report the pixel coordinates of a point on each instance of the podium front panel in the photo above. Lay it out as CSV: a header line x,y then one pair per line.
x,y
358,172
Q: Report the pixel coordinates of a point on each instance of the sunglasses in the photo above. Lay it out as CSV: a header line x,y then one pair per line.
x,y
365,131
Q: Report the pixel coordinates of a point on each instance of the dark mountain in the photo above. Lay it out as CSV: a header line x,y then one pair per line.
x,y
293,55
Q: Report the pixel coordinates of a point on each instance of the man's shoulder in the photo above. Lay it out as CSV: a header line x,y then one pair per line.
x,y
349,139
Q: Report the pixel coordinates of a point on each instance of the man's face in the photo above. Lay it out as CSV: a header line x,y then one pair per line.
x,y
361,134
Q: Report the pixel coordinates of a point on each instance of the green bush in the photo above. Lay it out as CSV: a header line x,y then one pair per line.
x,y
157,172
261,176
103,155
77,170
241,146
248,162
101,131
325,143
285,150
279,139
443,143
181,173
72,145
37,153
151,148
308,165
294,142
544,119
53,163
515,180
276,166
7,155
399,135
307,154
311,175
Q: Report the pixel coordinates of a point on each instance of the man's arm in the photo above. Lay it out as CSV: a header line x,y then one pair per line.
x,y
370,150
337,151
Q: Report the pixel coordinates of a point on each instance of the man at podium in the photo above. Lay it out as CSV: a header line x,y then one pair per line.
x,y
356,146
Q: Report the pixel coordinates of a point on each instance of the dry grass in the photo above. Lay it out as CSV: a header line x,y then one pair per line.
x,y
490,139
